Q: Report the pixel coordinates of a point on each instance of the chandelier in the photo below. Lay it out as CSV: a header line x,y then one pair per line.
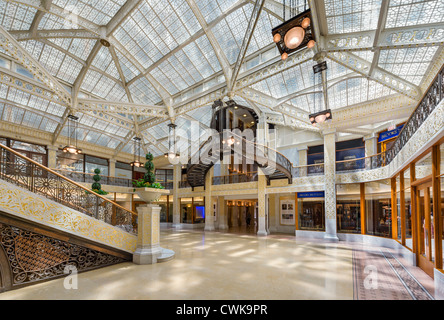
x,y
172,143
296,33
136,163
72,142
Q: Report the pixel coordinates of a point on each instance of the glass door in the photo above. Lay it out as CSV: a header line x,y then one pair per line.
x,y
425,228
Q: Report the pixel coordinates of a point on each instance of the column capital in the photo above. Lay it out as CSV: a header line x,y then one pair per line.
x,y
112,160
302,148
52,148
371,136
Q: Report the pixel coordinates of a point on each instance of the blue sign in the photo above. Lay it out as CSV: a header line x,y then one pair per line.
x,y
390,134
314,194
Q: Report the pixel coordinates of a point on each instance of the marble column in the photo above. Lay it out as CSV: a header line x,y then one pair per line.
x,y
371,145
52,156
177,176
209,217
330,184
112,167
302,160
222,213
262,204
148,236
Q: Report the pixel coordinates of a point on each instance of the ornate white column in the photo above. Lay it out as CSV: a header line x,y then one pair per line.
x,y
222,213
177,176
262,204
148,236
371,145
112,167
209,217
330,184
52,156
302,160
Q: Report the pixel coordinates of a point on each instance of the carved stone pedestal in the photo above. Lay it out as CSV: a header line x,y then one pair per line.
x,y
148,249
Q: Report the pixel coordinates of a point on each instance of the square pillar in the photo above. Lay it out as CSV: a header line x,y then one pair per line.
x,y
222,213
148,237
371,145
262,204
52,156
302,160
209,217
330,185
177,177
112,168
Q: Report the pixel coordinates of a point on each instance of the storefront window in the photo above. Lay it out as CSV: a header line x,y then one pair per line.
x,y
69,162
348,208
378,208
186,210
92,163
199,210
163,204
408,218
311,214
423,167
124,170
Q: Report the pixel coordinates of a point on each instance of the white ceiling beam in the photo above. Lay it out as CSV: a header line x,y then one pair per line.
x,y
124,12
121,107
255,16
381,76
426,35
24,35
21,56
226,67
381,25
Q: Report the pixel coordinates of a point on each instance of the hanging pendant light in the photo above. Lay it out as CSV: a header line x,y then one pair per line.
x,y
136,163
172,145
325,115
295,33
72,130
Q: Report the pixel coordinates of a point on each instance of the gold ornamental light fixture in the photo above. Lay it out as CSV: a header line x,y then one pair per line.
x,y
72,131
324,115
172,143
295,33
136,163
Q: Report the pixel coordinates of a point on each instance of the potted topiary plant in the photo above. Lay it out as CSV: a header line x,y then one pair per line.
x,y
96,186
147,188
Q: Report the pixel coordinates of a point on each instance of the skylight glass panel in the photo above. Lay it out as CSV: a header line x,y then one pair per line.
x,y
354,91
52,22
104,61
99,12
16,16
410,64
12,114
403,13
69,70
143,91
345,16
155,28
128,69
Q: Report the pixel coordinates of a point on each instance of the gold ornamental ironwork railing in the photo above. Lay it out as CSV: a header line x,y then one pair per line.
x,y
33,176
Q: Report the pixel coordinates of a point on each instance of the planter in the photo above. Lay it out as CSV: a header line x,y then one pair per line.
x,y
151,194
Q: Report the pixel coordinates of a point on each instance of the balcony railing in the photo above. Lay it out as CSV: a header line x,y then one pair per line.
x,y
31,175
88,178
235,178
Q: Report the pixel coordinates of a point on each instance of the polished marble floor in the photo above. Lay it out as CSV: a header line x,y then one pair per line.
x,y
235,266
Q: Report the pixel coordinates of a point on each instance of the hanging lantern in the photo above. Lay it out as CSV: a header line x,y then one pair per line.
x,y
72,131
136,163
295,33
172,144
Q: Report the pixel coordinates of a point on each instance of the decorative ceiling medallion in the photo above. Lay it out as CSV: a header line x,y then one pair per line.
x,y
294,34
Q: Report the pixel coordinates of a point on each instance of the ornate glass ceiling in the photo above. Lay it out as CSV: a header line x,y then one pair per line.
x,y
168,60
